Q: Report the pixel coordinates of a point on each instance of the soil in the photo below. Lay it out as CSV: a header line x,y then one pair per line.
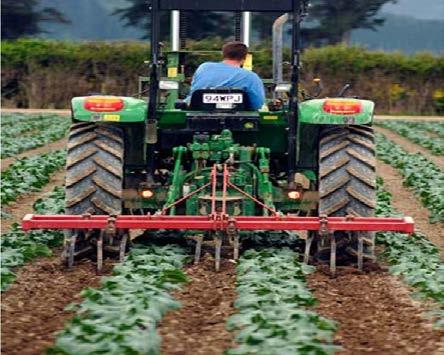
x,y
411,147
432,134
409,118
36,110
33,308
199,326
375,314
405,200
60,144
24,204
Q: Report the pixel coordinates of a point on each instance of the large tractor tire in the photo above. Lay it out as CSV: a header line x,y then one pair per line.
x,y
347,184
94,169
93,185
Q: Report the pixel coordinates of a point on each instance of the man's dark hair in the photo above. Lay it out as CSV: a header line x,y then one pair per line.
x,y
235,51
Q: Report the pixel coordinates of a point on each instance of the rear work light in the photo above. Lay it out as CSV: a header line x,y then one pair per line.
x,y
342,107
147,193
103,104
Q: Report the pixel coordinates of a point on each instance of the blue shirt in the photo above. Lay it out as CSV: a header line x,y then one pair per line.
x,y
213,75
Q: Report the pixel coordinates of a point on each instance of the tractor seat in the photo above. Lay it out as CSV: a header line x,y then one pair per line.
x,y
220,99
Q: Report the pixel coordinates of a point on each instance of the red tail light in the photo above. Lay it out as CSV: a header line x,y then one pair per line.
x,y
103,104
342,107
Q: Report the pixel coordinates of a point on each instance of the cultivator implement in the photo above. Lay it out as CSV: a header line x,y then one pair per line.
x,y
106,230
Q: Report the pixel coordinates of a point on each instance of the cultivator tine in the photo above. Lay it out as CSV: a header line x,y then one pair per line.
x,y
122,247
371,249
100,252
236,247
332,253
71,250
360,251
308,242
198,250
218,245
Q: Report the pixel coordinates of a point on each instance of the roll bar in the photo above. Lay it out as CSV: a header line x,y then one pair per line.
x,y
229,5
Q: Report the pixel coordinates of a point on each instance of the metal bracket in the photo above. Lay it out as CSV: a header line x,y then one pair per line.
x,y
110,228
324,231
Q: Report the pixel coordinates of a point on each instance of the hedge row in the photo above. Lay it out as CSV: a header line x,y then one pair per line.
x,y
46,74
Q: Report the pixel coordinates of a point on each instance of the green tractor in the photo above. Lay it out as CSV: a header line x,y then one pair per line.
x,y
215,170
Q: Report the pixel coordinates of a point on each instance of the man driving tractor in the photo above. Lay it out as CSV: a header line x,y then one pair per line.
x,y
229,73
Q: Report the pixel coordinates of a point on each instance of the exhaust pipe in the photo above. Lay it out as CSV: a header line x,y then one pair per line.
x,y
175,30
278,40
246,28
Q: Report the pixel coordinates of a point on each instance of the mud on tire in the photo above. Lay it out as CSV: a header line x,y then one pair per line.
x,y
94,169
347,183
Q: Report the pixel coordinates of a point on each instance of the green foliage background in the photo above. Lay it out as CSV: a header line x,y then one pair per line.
x,y
46,74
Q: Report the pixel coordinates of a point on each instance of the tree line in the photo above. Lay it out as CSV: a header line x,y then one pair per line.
x,y
329,21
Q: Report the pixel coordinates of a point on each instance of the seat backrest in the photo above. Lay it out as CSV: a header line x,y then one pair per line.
x,y
220,99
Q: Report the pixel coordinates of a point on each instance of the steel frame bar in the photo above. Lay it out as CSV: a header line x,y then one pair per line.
x,y
150,222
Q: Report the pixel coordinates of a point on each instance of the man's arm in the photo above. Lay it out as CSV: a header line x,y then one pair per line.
x,y
256,92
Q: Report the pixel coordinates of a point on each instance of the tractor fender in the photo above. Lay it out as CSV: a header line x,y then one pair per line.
x,y
107,108
339,111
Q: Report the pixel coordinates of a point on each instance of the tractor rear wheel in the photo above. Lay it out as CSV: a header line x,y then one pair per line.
x,y
94,169
347,184
93,183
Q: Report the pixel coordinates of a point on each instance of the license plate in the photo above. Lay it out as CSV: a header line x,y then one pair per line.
x,y
222,98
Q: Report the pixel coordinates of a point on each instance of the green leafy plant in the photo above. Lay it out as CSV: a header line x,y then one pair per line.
x,y
433,127
419,173
32,132
18,247
121,316
272,303
29,174
417,133
413,257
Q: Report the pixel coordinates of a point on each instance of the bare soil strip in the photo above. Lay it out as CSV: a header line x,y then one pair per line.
x,y
432,135
60,144
410,146
409,118
33,308
375,314
23,205
405,201
199,326
35,110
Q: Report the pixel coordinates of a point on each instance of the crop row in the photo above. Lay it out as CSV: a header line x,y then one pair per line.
x,y
18,247
426,179
121,316
32,134
414,257
29,174
436,128
417,134
272,303
10,120
14,124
